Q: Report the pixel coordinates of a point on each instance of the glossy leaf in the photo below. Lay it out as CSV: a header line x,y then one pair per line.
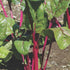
x,y
3,52
23,5
6,25
10,23
8,45
22,46
32,11
62,36
55,8
41,23
8,57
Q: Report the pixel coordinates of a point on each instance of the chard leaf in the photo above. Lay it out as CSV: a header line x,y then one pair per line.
x,y
41,23
22,46
4,52
62,36
6,27
55,8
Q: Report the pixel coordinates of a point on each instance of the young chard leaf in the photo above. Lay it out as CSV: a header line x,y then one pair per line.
x,y
41,23
22,46
55,8
4,52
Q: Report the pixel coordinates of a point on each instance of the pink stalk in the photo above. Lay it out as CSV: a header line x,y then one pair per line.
x,y
35,52
50,25
22,57
68,18
5,13
57,23
45,2
50,47
3,9
21,18
11,13
47,57
28,66
33,63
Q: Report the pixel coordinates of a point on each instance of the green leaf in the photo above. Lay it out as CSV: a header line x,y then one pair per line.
x,y
62,36
8,45
10,23
39,64
3,52
22,46
8,57
5,27
32,11
23,5
16,1
41,23
1,42
55,8
0,61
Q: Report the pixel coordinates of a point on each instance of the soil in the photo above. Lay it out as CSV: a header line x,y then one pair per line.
x,y
58,60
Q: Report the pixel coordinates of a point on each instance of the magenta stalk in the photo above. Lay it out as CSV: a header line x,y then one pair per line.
x,y
3,9
35,52
47,57
68,18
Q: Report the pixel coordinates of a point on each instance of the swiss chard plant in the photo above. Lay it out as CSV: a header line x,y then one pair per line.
x,y
38,24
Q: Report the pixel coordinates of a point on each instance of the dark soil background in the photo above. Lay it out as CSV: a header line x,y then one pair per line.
x,y
58,60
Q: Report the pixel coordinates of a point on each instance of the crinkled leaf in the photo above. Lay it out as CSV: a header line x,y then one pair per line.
x,y
8,45
23,5
5,26
3,52
62,36
8,57
32,11
56,7
41,23
22,46
10,23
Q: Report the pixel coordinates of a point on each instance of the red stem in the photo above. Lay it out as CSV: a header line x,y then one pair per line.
x,y
68,18
3,9
35,52
45,2
57,22
50,44
22,57
21,18
50,25
28,66
33,63
47,57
